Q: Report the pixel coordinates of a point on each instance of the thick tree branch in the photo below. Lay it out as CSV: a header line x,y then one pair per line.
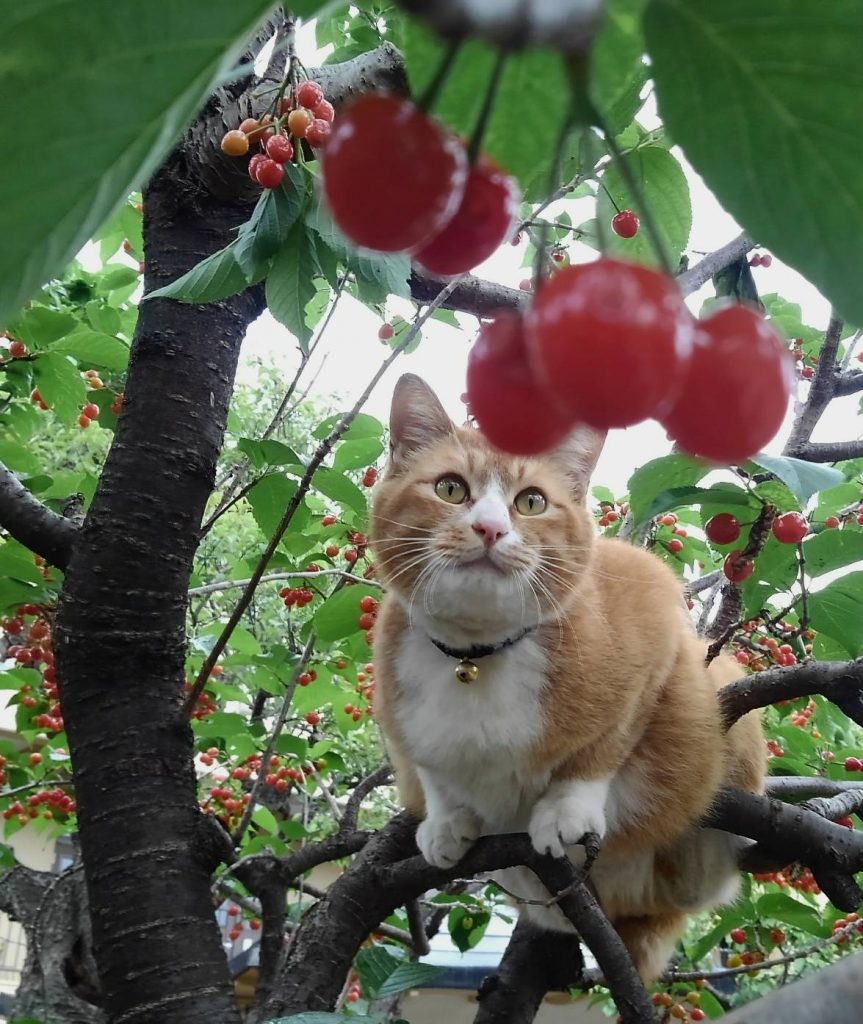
x,y
832,852
535,962
829,451
32,524
691,280
791,786
849,383
839,681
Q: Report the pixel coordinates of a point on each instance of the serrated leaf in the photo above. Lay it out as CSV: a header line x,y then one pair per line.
x,y
38,326
779,906
217,277
775,571
408,975
659,475
803,479
759,96
358,453
338,487
666,194
120,127
261,237
339,615
60,385
617,70
835,610
269,499
832,549
94,349
291,283
374,966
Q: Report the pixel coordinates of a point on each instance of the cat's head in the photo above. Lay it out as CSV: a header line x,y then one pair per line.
x,y
473,539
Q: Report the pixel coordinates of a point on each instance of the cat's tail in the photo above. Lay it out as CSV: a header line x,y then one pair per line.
x,y
651,940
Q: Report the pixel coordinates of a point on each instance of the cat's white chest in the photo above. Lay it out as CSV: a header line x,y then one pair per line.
x,y
477,737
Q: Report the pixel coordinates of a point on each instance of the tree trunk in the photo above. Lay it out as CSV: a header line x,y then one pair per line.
x,y
120,636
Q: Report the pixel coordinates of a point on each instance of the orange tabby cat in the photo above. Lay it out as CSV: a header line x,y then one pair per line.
x,y
593,712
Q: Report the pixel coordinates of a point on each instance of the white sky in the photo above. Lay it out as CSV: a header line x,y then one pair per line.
x,y
353,352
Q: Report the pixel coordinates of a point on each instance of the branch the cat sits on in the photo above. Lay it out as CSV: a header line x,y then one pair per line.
x,y
590,709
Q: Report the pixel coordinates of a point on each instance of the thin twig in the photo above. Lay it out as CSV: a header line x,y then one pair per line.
x,y
322,451
214,588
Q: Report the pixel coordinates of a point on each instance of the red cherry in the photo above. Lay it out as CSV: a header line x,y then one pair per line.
x,y
669,519
853,764
351,555
675,545
588,317
235,143
625,223
370,476
368,603
323,111
331,550
366,621
723,528
807,373
503,397
328,520
737,568
313,718
84,421
737,935
90,410
309,94
831,522
385,332
409,172
270,173
304,678
254,165
35,758
279,148
482,222
790,528
696,1014
860,518
736,389
766,260
17,350
318,133
298,122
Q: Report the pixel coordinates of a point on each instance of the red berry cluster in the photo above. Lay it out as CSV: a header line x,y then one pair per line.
x,y
354,991
370,476
299,596
608,514
760,260
793,875
89,412
719,386
368,613
33,649
850,926
674,544
684,1007
307,117
204,703
450,216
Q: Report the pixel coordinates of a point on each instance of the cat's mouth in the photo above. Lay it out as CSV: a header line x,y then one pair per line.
x,y
483,563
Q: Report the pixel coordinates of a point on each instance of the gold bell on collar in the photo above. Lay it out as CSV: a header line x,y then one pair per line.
x,y
466,672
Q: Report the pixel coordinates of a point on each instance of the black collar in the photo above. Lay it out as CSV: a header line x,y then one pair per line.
x,y
480,650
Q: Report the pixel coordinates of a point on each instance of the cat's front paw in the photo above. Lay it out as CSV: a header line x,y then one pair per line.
x,y
443,839
563,818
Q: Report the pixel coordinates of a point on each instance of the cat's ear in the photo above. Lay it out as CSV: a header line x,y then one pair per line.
x,y
417,419
577,457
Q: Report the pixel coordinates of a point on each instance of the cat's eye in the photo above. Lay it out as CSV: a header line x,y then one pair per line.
x,y
451,489
531,502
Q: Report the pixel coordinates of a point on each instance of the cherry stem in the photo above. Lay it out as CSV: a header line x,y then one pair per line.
x,y
485,111
541,261
433,89
610,196
635,190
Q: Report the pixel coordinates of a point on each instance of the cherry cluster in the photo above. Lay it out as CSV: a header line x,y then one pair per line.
x,y
32,648
793,876
448,212
686,1008
610,344
236,929
306,116
299,596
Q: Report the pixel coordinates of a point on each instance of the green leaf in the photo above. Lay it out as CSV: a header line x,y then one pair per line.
x,y
291,282
803,479
363,425
261,237
832,549
533,72
338,487
666,195
38,326
775,571
374,966
661,475
761,96
408,975
60,385
217,277
355,454
338,616
721,495
835,610
778,906
268,453
115,276
617,70
269,499
94,349
121,125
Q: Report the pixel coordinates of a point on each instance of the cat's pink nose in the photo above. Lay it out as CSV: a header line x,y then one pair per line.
x,y
491,530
